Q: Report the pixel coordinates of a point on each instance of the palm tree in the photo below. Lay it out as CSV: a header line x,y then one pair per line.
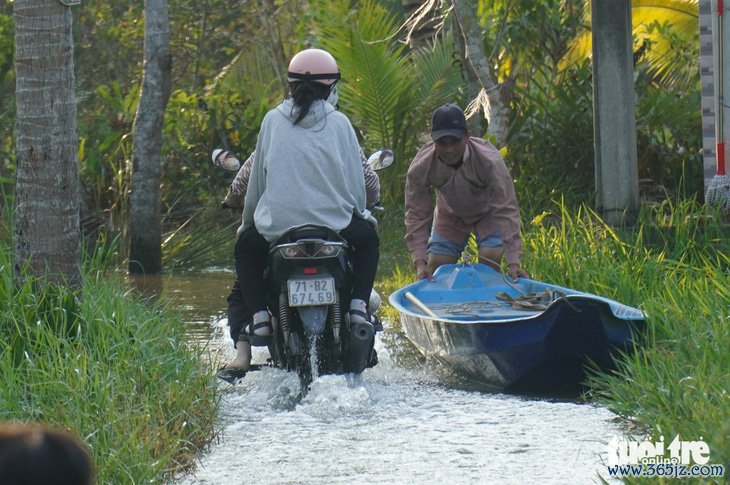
x,y
47,235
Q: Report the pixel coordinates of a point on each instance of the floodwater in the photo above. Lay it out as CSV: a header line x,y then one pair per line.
x,y
403,422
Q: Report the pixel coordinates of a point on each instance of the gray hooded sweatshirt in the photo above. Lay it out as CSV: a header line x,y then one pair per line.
x,y
308,173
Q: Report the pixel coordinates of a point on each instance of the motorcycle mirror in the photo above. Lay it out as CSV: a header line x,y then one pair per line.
x,y
381,159
225,160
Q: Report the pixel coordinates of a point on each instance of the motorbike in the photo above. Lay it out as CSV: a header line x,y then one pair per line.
x,y
308,281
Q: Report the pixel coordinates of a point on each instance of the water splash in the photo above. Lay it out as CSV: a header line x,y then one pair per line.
x,y
396,425
313,357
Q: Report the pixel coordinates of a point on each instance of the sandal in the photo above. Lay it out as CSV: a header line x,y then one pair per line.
x,y
230,375
265,329
264,336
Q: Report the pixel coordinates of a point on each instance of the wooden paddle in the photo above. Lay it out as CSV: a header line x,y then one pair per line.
x,y
421,306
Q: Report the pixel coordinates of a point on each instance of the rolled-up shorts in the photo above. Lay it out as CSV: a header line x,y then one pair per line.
x,y
438,244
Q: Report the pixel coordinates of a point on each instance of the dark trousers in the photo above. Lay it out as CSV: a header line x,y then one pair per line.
x,y
251,253
248,295
238,314
362,237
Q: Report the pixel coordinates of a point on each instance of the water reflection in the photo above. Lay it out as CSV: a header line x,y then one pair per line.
x,y
200,296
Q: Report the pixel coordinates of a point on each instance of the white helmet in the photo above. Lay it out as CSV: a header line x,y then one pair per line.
x,y
313,65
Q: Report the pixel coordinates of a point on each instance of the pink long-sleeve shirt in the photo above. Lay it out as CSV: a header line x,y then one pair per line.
x,y
477,195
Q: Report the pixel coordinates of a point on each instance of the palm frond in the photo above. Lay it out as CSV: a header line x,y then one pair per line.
x,y
440,77
373,67
251,67
387,91
671,30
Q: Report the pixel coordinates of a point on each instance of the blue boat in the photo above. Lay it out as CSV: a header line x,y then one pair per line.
x,y
527,336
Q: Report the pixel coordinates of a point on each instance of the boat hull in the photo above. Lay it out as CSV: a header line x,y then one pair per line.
x,y
505,348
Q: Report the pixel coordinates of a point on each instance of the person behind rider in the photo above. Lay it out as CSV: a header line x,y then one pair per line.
x,y
307,169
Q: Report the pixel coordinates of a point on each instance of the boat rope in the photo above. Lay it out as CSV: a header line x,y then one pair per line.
x,y
535,301
467,308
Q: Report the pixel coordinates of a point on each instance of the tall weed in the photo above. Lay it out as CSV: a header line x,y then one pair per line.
x,y
109,367
673,264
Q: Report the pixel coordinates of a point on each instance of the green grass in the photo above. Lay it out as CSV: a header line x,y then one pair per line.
x,y
673,263
114,370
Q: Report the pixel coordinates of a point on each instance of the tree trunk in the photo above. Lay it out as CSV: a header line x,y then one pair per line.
x,y
145,251
494,97
472,83
47,238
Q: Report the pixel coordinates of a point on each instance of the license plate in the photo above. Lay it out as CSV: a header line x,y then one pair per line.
x,y
309,292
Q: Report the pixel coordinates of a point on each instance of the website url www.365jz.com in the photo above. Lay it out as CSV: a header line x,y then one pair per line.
x,y
667,470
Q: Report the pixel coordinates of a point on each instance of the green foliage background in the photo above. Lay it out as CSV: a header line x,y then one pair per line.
x,y
229,66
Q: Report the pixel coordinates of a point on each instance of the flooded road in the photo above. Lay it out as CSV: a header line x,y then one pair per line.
x,y
399,424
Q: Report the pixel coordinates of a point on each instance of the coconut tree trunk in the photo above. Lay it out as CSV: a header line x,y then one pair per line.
x,y
472,83
47,240
145,252
494,97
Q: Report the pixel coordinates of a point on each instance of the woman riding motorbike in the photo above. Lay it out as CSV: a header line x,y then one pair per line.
x,y
307,169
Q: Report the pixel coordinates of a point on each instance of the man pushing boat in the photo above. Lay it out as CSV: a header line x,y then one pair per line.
x,y
474,193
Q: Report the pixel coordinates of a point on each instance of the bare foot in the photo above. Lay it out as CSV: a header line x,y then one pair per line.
x,y
242,360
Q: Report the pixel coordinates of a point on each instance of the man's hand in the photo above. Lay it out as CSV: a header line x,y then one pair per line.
x,y
422,270
517,272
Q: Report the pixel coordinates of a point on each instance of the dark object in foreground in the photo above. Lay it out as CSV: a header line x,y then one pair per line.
x,y
522,337
36,454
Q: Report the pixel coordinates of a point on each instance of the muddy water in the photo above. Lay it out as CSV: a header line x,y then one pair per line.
x,y
399,424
